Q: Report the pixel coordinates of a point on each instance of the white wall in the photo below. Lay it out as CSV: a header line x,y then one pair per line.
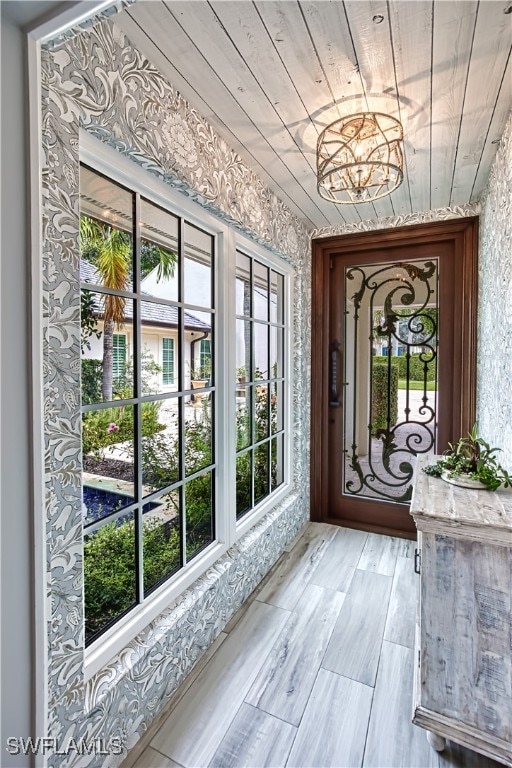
x,y
494,403
16,549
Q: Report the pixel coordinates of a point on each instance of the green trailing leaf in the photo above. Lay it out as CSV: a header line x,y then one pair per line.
x,y
472,457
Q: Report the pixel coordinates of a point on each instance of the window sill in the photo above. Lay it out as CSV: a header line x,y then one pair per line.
x,y
259,512
119,637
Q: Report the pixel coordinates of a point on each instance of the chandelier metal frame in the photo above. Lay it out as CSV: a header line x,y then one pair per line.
x,y
360,158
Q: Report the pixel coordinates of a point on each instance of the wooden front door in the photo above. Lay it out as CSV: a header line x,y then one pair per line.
x,y
393,365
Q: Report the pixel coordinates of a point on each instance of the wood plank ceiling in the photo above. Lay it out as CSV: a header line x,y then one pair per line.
x,y
269,76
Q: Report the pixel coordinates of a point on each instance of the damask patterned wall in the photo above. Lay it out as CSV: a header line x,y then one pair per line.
x,y
420,217
96,80
494,404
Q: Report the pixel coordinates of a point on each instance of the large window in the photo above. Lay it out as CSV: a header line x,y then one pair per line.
x,y
148,459
260,392
156,464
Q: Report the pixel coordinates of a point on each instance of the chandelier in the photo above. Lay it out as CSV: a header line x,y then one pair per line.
x,y
359,158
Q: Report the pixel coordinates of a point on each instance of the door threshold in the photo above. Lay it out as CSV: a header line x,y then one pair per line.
x,y
360,526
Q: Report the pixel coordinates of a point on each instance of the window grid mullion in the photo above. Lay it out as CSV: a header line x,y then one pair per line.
x,y
137,367
181,386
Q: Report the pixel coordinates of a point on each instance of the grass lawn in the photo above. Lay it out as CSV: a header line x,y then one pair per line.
x,y
402,384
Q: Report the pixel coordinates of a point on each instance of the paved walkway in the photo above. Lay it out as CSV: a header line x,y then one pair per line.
x,y
411,436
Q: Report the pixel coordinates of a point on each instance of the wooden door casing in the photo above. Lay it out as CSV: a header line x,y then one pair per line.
x,y
457,239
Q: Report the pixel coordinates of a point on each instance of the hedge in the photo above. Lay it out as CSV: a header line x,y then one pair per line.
x,y
380,397
416,366
109,567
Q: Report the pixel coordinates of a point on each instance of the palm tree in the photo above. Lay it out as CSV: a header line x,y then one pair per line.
x,y
109,249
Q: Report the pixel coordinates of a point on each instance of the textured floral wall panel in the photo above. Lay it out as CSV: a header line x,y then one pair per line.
x,y
421,217
95,80
494,403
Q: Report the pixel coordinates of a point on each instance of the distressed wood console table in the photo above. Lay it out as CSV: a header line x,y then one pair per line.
x,y
463,677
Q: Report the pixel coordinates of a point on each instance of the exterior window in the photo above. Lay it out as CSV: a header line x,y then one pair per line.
x,y
205,356
118,356
167,361
260,389
151,483
149,472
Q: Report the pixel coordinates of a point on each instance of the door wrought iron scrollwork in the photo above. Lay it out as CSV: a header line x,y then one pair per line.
x,y
390,375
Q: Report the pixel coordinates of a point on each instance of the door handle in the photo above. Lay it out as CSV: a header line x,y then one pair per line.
x,y
334,401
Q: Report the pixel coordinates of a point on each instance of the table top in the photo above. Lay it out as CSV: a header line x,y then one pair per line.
x,y
441,507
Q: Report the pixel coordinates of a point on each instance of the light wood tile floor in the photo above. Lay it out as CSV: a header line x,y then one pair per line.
x,y
315,670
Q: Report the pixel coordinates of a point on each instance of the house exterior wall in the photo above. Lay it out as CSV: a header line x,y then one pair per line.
x,y
152,344
494,404
129,106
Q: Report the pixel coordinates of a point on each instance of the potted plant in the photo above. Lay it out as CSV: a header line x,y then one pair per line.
x,y
200,375
471,463
199,379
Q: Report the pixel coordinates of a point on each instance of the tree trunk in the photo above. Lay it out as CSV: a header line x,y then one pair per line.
x,y
108,359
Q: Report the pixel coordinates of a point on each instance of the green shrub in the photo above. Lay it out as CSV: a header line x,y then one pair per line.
x,y
109,574
243,483
109,567
95,426
198,501
161,548
416,366
379,417
91,381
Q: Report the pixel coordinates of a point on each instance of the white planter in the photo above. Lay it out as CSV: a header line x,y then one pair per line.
x,y
465,482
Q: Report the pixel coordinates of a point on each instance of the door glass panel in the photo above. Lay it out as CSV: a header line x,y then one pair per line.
x,y
106,348
390,376
276,297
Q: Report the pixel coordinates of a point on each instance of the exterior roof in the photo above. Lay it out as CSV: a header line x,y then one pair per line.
x,y
152,313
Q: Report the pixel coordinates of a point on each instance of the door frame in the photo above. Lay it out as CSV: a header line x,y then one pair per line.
x,y
463,233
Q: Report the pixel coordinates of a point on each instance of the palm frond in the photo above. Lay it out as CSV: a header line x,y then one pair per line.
x,y
166,264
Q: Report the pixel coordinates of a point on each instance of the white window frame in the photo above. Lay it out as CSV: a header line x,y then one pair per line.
x,y
120,169
228,530
239,527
